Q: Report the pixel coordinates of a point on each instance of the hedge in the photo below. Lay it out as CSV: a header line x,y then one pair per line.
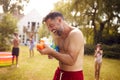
x,y
109,51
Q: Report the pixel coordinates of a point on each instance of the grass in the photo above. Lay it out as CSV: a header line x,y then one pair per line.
x,y
41,68
110,69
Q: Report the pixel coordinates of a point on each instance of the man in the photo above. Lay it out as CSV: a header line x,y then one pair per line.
x,y
71,48
15,49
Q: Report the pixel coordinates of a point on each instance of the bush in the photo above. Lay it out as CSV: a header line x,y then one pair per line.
x,y
8,25
112,51
110,54
4,46
89,49
109,51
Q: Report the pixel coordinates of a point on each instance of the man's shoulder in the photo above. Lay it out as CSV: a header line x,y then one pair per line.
x,y
76,31
76,34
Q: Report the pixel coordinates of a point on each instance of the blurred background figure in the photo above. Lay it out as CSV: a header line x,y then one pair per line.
x,y
98,60
31,46
15,49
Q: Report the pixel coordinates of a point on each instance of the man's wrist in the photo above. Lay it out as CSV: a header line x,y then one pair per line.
x,y
53,52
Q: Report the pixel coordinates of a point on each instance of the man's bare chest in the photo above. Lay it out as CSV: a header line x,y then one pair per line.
x,y
63,44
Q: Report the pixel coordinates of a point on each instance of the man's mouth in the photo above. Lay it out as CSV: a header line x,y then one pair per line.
x,y
54,31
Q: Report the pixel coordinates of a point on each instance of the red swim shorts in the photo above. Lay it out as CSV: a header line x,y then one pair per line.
x,y
68,75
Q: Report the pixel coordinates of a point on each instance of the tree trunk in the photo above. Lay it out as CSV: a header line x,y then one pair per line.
x,y
95,33
100,31
94,29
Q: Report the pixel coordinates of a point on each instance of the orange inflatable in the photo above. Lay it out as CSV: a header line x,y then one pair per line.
x,y
5,58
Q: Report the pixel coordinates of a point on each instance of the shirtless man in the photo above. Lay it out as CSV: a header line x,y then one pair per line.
x,y
15,49
71,48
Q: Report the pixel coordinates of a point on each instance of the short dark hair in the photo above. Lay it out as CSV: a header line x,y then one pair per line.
x,y
100,45
52,15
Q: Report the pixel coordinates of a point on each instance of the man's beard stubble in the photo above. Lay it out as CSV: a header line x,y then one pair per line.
x,y
59,32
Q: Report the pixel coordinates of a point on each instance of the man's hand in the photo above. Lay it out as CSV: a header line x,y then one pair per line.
x,y
46,50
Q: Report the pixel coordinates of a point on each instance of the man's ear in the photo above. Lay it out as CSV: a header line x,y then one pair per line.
x,y
59,19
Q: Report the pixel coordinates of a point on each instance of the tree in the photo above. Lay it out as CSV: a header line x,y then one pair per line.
x,y
101,13
63,7
43,31
11,5
8,26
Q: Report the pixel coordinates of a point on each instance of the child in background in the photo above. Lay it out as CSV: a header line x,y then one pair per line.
x,y
31,46
15,48
98,60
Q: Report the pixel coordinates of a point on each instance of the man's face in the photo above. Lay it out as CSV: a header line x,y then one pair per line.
x,y
54,25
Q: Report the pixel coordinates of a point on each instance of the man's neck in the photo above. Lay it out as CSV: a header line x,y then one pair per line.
x,y
66,31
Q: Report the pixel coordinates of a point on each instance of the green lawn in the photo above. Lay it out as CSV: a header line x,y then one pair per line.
x,y
41,68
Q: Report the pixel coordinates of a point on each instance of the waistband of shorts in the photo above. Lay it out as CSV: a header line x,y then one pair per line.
x,y
69,71
15,47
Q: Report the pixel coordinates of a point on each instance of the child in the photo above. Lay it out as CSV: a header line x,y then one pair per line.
x,y
15,49
98,60
31,46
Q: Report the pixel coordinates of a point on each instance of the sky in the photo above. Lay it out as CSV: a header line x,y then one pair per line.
x,y
42,6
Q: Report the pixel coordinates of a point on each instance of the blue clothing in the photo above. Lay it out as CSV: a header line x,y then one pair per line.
x,y
31,44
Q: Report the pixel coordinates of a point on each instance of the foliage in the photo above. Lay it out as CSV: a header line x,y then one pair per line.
x,y
100,14
112,51
89,49
109,51
111,36
43,31
111,39
8,26
88,34
105,12
11,5
65,8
